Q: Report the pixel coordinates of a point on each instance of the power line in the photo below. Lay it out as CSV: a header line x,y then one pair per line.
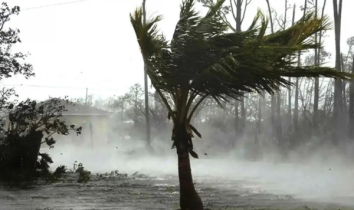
x,y
54,5
63,87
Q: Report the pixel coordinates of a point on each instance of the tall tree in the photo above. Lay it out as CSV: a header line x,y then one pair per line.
x,y
296,108
317,63
273,99
317,83
146,90
351,104
346,68
278,115
338,96
204,61
289,90
239,21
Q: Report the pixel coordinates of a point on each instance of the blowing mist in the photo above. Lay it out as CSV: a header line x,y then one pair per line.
x,y
235,108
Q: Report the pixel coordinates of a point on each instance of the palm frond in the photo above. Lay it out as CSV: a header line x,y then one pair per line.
x,y
150,41
204,59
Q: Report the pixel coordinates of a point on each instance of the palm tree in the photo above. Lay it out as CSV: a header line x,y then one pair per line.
x,y
204,61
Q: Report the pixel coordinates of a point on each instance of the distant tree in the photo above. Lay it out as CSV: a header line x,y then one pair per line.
x,y
120,104
28,123
134,98
204,61
24,124
158,112
132,104
296,104
317,63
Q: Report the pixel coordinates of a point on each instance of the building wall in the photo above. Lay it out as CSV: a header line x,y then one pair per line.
x,y
94,130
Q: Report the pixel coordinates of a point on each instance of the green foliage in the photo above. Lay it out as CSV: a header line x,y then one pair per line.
x,y
205,59
28,123
59,172
11,63
132,104
25,124
84,175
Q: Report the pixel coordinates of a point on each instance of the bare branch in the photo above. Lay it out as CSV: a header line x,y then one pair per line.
x,y
232,9
244,10
224,19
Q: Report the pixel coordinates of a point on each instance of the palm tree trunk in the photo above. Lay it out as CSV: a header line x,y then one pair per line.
x,y
189,198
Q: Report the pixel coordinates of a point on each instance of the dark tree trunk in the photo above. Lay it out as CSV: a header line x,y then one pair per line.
x,y
258,124
36,137
189,198
289,95
241,125
237,118
278,121
317,83
338,96
344,84
317,60
243,115
260,101
351,105
296,108
273,99
238,16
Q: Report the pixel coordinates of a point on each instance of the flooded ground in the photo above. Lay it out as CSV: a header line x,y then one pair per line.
x,y
222,184
143,192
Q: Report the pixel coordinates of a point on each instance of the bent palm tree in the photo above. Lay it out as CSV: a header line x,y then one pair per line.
x,y
203,60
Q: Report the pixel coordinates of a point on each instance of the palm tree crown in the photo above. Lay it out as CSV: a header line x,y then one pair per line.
x,y
204,59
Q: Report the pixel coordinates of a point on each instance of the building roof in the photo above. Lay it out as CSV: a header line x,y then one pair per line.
x,y
75,109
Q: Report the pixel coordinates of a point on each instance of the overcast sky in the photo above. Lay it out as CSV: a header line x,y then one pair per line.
x,y
90,43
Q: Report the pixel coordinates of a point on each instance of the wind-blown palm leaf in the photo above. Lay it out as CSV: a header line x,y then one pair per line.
x,y
204,59
149,40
